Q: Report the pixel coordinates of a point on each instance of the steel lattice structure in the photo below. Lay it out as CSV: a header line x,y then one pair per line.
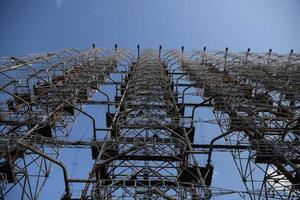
x,y
149,148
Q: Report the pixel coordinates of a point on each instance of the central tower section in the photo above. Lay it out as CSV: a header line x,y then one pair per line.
x,y
146,155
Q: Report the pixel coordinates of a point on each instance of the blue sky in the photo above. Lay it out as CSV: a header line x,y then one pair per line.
x,y
33,26
48,25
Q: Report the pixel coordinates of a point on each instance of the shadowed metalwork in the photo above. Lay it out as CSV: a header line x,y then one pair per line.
x,y
147,149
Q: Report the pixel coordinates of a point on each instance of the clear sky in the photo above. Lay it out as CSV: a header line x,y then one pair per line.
x,y
47,25
33,26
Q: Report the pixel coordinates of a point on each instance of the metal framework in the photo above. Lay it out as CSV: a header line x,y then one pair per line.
x,y
148,149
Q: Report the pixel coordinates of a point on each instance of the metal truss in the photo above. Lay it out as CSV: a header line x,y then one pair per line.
x,y
41,96
255,100
147,149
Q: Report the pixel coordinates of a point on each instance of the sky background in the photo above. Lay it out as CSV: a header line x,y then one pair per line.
x,y
48,25
34,26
